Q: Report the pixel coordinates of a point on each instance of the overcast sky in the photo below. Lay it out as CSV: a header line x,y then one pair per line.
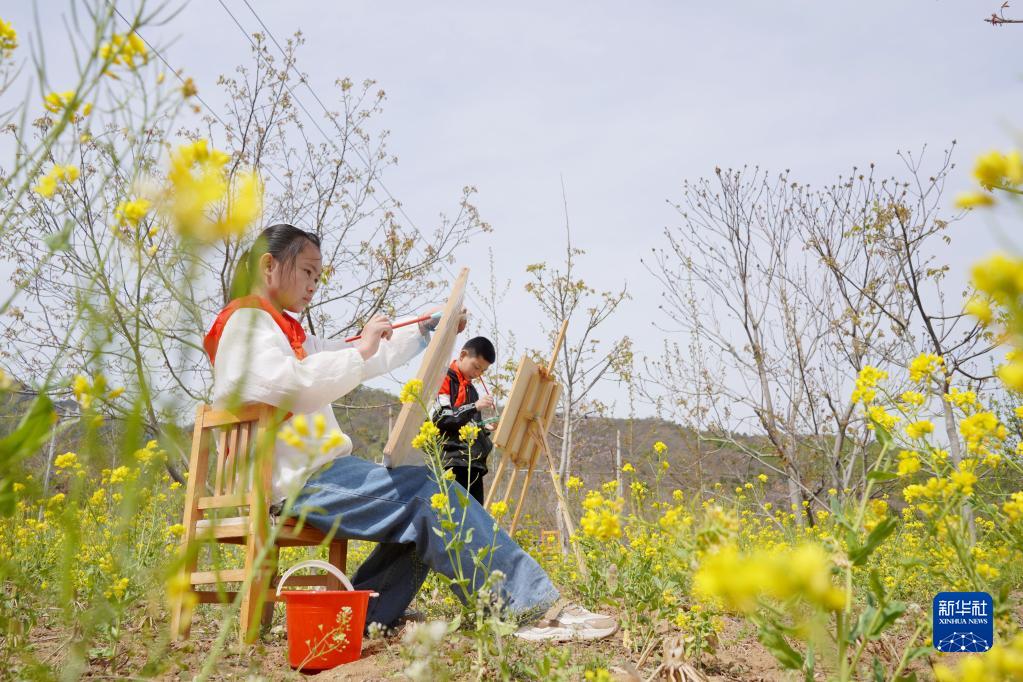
x,y
625,100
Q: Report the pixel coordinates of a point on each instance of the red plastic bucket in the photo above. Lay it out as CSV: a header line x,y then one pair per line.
x,y
324,626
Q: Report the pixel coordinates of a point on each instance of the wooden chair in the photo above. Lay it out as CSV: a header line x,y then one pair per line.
x,y
227,503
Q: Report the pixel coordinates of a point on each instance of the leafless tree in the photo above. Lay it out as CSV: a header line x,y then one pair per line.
x,y
584,359
785,292
131,305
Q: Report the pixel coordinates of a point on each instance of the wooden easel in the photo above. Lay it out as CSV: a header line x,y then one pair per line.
x,y
398,450
522,435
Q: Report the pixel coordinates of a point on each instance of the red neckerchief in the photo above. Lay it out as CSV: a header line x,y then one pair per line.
x,y
291,327
463,384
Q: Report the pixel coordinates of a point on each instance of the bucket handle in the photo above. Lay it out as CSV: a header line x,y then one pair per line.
x,y
316,563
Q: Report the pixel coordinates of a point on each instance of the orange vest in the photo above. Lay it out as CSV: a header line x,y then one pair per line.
x,y
458,393
291,327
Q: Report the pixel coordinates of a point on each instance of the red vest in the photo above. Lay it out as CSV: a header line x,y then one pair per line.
x,y
291,327
458,392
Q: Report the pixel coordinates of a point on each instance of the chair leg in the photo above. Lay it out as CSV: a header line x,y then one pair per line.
x,y
252,605
183,599
181,610
272,572
338,557
254,596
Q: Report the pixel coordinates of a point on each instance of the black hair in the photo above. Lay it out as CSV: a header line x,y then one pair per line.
x,y
480,346
282,241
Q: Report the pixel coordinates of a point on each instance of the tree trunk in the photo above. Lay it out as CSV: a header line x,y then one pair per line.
x,y
955,453
618,461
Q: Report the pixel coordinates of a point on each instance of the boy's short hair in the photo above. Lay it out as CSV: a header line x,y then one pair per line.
x,y
480,346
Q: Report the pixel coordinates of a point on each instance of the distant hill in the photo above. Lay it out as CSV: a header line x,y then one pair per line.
x,y
365,415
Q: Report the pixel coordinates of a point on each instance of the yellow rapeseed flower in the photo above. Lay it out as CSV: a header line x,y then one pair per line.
x,y
601,518
882,417
48,183
68,459
909,462
914,398
201,200
980,308
244,206
127,50
428,433
1014,507
741,581
1011,374
411,391
119,475
439,501
660,448
990,169
866,382
335,440
1001,663
919,429
117,589
8,38
962,399
1000,276
964,479
977,427
131,212
924,365
56,102
574,483
288,435
498,509
974,199
469,433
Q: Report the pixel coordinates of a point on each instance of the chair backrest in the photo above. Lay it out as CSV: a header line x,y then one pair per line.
x,y
231,459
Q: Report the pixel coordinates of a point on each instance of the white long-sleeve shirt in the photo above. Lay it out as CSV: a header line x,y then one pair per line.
x,y
255,363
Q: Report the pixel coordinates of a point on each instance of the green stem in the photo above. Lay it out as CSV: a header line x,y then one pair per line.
x,y
905,652
843,671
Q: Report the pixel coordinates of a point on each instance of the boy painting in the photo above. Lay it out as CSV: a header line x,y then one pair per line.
x,y
459,404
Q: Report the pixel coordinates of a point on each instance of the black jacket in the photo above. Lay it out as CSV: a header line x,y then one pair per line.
x,y
455,407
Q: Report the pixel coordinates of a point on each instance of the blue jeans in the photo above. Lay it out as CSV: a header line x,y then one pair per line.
x,y
392,507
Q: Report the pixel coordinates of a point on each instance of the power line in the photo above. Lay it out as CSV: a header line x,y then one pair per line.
x,y
182,80
294,96
397,204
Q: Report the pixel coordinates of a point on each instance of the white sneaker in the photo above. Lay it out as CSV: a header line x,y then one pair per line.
x,y
572,622
574,614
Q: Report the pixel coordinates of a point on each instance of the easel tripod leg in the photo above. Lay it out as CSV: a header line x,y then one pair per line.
x,y
522,494
493,484
511,484
559,493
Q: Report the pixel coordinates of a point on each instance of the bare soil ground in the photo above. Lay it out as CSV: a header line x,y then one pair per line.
x,y
739,656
